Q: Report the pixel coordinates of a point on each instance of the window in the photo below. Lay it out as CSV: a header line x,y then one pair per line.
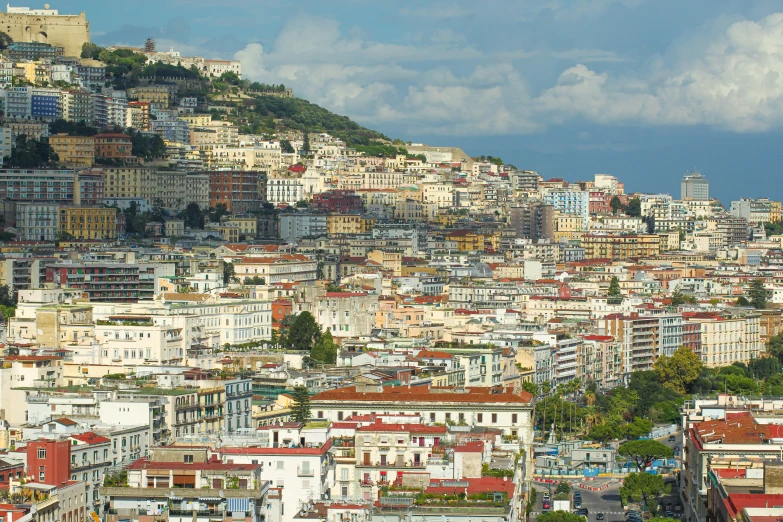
x,y
494,418
188,459
41,453
480,417
513,418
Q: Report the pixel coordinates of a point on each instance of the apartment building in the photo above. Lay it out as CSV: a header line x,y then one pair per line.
x,y
236,189
284,190
112,282
344,314
113,146
508,411
384,451
725,340
128,182
37,221
347,224
283,268
74,151
51,186
238,405
157,96
88,222
621,247
207,490
643,338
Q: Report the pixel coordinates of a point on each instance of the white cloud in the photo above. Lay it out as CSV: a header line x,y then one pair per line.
x,y
735,83
733,80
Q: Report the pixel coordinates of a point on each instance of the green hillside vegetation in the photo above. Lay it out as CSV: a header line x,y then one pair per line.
x,y
251,109
258,115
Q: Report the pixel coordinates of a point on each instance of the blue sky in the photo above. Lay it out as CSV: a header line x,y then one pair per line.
x,y
643,89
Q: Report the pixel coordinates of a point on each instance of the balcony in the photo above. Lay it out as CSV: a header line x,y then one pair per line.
x,y
305,472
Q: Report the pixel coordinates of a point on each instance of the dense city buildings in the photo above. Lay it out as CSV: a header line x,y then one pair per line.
x,y
219,302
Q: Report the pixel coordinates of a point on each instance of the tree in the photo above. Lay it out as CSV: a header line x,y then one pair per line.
x,y
531,387
230,77
614,294
32,153
678,298
5,41
228,272
764,368
147,146
616,205
6,297
286,147
255,280
158,213
563,487
304,333
559,516
300,409
757,294
306,143
91,50
742,301
643,452
194,216
325,349
639,487
218,212
638,427
775,346
678,371
634,208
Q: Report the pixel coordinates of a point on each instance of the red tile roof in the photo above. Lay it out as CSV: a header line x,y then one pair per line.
x,y
396,394
402,428
214,466
278,451
91,437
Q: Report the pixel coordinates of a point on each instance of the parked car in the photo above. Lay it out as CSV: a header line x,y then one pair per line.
x,y
672,438
599,516
669,514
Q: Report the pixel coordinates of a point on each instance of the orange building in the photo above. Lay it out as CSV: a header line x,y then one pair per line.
x,y
113,146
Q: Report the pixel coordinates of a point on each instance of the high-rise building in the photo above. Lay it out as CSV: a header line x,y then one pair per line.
x,y
533,221
694,186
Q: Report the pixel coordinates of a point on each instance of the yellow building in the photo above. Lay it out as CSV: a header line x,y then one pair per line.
x,y
89,222
129,182
74,151
347,224
196,119
156,95
775,211
568,227
391,261
621,247
247,225
468,241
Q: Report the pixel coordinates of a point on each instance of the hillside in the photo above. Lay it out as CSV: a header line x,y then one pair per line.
x,y
253,110
261,114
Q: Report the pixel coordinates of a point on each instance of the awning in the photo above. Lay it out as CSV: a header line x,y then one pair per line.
x,y
237,504
209,499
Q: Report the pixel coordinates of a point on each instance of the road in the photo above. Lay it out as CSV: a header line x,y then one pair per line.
x,y
606,502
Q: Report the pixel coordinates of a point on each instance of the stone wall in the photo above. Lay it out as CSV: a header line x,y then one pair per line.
x,y
67,31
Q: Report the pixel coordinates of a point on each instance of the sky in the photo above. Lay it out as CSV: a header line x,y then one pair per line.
x,y
646,90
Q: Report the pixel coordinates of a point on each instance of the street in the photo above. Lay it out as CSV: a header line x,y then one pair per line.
x,y
606,501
